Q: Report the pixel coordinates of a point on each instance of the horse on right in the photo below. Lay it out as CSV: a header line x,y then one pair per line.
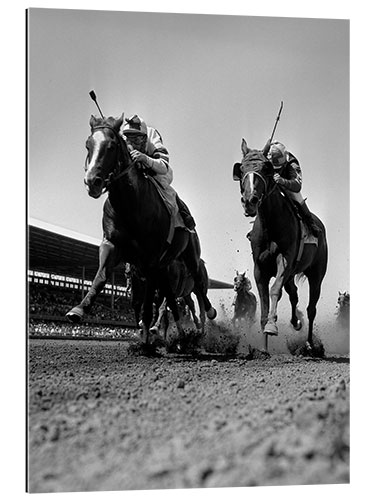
x,y
295,252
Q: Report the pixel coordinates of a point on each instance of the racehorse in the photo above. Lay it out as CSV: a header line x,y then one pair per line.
x,y
343,308
136,222
183,285
245,303
278,222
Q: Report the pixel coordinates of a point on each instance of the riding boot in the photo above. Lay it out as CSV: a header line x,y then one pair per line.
x,y
308,219
185,214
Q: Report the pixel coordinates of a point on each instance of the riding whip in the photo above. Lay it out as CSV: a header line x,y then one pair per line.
x,y
267,146
93,97
277,119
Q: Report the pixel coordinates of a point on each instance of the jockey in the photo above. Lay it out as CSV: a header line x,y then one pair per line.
x,y
147,149
288,175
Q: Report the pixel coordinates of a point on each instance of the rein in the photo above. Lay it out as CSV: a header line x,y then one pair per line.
x,y
266,192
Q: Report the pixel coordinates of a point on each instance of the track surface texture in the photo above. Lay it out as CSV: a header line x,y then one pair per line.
x,y
103,418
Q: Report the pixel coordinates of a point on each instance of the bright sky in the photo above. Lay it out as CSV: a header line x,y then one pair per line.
x,y
205,81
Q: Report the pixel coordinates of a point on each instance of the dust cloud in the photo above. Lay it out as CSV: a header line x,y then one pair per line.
x,y
333,334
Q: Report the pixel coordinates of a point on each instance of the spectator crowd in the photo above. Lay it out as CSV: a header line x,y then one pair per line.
x,y
50,301
39,328
48,305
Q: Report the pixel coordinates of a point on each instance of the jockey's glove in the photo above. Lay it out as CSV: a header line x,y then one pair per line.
x,y
137,156
279,180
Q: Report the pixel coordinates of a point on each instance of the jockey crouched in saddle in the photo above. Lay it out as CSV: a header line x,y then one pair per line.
x,y
289,176
147,149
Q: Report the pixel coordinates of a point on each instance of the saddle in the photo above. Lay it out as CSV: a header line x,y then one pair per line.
x,y
305,235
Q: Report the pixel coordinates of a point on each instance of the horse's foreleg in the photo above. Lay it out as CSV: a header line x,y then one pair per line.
x,y
197,269
108,259
161,315
291,289
314,294
262,283
199,324
147,310
275,294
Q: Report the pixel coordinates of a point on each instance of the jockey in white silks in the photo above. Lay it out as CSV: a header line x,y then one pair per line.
x,y
147,149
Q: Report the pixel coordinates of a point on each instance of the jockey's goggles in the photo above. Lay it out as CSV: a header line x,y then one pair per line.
x,y
136,139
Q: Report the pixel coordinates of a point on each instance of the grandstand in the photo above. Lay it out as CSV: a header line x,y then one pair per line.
x,y
61,267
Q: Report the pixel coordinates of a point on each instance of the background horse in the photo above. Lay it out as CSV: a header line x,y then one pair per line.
x,y
134,231
343,309
278,222
182,285
245,303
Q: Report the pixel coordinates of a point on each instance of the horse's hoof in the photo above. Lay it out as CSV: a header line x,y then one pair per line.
x,y
154,330
75,315
211,313
258,354
297,326
271,329
147,349
157,341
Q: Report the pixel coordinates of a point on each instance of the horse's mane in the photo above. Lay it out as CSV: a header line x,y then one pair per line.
x,y
253,161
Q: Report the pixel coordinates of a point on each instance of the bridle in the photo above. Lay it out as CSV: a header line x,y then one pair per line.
x,y
240,285
120,168
266,192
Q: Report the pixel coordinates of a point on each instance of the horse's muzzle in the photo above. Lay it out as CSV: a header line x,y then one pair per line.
x,y
95,187
251,207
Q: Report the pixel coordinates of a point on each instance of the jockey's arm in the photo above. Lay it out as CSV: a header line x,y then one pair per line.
x,y
158,162
292,178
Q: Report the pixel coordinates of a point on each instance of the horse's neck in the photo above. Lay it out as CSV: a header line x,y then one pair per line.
x,y
123,195
278,217
140,209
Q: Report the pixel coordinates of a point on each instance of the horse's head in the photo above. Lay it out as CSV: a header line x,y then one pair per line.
x,y
255,173
106,154
343,300
241,282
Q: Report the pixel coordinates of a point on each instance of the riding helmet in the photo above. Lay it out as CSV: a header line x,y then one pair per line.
x,y
135,126
277,154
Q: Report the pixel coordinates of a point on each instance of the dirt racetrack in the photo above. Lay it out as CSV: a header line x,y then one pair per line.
x,y
102,418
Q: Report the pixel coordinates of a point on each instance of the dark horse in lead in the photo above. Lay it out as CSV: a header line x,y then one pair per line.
x,y
136,224
277,217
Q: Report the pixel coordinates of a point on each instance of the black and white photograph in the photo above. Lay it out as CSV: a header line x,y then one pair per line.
x,y
188,229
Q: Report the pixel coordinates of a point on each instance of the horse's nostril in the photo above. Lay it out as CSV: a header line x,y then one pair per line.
x,y
97,182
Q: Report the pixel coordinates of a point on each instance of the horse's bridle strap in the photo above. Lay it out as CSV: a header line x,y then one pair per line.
x,y
266,192
112,176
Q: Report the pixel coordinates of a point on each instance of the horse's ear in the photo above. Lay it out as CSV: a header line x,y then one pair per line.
x,y
244,147
237,172
118,122
93,121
